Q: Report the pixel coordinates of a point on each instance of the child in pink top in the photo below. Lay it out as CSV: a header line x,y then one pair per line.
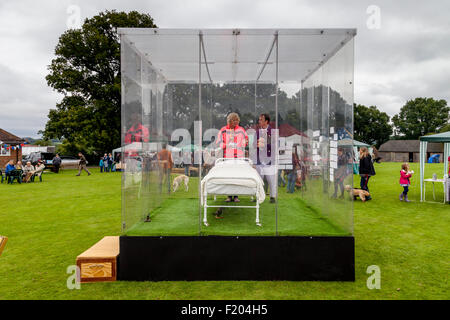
x,y
405,175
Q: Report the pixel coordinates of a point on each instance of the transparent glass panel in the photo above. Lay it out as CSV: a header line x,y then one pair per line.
x,y
328,101
132,122
233,189
181,149
158,134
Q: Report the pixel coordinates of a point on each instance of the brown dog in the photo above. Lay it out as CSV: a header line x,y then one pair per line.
x,y
355,193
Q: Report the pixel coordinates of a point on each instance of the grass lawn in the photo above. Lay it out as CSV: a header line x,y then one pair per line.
x,y
50,223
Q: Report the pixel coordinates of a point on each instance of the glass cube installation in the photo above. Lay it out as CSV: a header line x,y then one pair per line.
x,y
235,132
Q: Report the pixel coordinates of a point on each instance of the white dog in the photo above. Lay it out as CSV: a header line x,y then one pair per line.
x,y
178,180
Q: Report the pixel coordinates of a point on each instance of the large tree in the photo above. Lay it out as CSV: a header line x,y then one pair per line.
x,y
421,116
86,71
445,128
371,125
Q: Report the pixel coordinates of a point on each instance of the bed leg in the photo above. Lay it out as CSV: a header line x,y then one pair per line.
x,y
205,216
257,213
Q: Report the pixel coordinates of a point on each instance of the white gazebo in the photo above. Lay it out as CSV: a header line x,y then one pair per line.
x,y
445,139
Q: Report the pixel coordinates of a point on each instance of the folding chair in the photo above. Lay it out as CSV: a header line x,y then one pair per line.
x,y
39,174
15,174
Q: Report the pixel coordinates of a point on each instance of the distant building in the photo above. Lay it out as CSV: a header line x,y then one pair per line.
x,y
10,148
408,150
29,148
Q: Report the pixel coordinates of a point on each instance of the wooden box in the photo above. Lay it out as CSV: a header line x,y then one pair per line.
x,y
99,263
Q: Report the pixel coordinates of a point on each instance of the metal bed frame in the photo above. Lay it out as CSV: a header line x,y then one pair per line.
x,y
205,193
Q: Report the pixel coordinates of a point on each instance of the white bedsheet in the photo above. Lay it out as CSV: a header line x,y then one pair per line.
x,y
233,177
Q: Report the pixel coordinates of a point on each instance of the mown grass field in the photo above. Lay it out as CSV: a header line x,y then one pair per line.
x,y
50,223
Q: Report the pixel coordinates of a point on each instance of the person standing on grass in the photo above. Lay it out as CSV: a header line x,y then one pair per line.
x,y
265,165
105,163
165,162
405,175
366,169
82,164
376,155
448,166
110,162
187,156
340,174
56,163
292,173
100,164
281,178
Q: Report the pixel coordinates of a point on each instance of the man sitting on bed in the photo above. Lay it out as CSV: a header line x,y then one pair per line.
x,y
232,140
264,163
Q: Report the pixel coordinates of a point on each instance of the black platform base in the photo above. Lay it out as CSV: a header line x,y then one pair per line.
x,y
236,258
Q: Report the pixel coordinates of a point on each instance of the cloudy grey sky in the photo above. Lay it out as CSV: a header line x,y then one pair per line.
x,y
407,57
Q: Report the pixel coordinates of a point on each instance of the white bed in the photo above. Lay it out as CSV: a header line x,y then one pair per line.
x,y
232,177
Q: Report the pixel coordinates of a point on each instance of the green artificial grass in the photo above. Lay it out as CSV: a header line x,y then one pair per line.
x,y
180,217
50,223
311,213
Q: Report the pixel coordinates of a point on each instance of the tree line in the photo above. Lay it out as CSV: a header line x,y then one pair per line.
x,y
418,117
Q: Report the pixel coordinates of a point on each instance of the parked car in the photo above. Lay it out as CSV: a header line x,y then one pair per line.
x,y
46,157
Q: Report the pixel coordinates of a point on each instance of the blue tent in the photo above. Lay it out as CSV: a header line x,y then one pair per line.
x,y
434,158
